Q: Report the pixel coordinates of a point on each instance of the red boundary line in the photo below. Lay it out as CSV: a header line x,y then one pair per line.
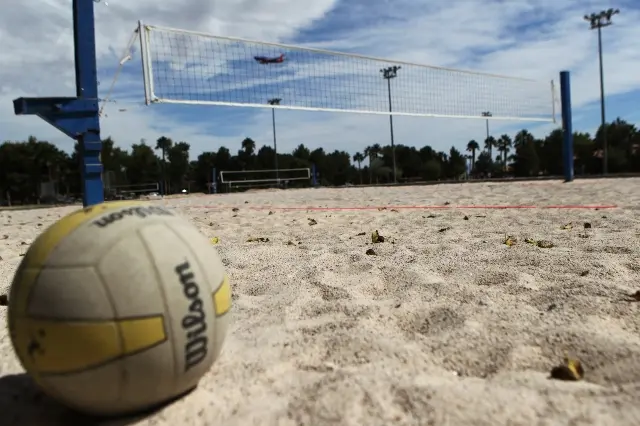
x,y
488,207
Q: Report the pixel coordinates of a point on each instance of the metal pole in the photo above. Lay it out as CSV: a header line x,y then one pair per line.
x,y
275,101
78,117
389,73
567,126
603,122
275,143
163,189
597,21
487,128
393,146
488,114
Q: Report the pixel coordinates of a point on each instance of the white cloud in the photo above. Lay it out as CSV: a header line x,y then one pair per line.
x,y
485,36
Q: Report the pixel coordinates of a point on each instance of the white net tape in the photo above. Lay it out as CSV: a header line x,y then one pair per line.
x,y
194,68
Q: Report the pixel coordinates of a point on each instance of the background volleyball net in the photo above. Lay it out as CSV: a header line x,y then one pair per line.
x,y
113,188
185,67
234,180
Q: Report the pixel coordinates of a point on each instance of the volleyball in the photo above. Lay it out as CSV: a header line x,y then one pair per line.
x,y
119,307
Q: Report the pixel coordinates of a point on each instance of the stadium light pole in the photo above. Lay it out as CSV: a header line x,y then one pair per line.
x,y
487,114
598,21
275,101
389,73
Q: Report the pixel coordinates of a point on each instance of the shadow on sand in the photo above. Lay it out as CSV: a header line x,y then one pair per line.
x,y
22,403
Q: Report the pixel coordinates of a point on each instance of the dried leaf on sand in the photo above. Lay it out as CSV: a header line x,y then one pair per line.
x,y
258,240
539,243
376,237
569,370
545,244
509,240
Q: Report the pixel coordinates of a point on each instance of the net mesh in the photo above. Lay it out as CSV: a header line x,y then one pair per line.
x,y
187,67
135,188
264,176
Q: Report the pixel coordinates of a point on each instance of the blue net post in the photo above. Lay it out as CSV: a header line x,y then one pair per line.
x,y
567,125
77,117
214,182
314,177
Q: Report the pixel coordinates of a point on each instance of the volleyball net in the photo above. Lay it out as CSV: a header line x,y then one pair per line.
x,y
237,180
187,67
113,188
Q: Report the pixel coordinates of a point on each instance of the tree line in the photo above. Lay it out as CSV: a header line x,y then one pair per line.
x,y
26,165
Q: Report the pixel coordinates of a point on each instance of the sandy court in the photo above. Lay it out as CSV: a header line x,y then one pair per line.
x,y
444,325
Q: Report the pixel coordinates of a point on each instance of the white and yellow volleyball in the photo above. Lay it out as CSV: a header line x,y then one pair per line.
x,y
119,307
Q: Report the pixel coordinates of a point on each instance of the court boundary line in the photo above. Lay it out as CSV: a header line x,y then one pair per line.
x,y
405,207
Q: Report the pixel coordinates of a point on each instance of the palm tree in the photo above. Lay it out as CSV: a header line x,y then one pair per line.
x,y
375,150
248,146
372,152
522,138
246,154
489,144
504,146
472,147
367,154
164,144
359,158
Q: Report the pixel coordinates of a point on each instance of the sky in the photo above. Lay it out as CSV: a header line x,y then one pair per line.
x,y
532,39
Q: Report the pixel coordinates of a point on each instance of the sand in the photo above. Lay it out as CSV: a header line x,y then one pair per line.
x,y
445,325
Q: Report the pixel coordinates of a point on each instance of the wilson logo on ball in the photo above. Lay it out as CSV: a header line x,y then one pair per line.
x,y
141,212
194,323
